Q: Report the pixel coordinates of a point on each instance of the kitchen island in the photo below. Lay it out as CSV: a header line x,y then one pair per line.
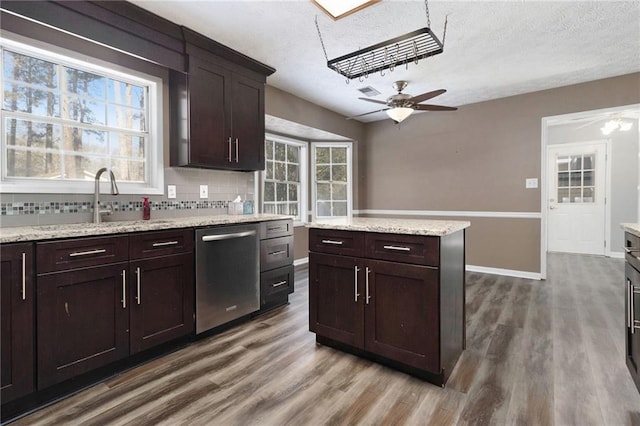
x,y
391,290
632,299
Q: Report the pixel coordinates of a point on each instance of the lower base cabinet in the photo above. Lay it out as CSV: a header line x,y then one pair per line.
x,y
396,299
17,311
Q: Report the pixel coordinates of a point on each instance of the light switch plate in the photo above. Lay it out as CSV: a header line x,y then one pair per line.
x,y
204,191
171,191
531,183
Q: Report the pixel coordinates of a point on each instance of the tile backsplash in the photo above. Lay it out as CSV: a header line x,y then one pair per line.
x,y
45,209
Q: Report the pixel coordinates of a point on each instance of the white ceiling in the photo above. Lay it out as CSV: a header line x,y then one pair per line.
x,y
492,49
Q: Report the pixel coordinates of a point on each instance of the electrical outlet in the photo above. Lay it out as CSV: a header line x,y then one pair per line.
x,y
204,191
530,183
171,191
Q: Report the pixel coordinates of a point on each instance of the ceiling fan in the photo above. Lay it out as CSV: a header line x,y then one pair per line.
x,y
402,105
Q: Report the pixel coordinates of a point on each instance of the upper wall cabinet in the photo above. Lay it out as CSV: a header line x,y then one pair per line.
x,y
218,108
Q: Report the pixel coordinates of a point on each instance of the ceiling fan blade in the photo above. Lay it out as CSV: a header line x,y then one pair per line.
x,y
427,107
428,95
367,113
375,101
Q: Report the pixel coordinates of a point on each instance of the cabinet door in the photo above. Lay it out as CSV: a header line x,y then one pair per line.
x,y
209,114
632,305
17,320
401,313
336,298
162,301
248,123
82,321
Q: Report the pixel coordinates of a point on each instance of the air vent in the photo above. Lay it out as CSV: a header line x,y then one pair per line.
x,y
368,91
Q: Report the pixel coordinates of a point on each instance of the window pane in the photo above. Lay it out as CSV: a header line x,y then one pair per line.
x,y
293,192
85,83
323,173
281,152
323,191
122,144
339,191
588,162
576,179
34,164
27,69
588,195
32,134
339,155
126,118
268,149
323,155
563,164
281,192
576,162
588,178
563,195
293,209
128,170
292,153
339,173
340,208
126,94
31,100
563,179
292,173
280,171
575,195
323,208
269,191
269,208
269,170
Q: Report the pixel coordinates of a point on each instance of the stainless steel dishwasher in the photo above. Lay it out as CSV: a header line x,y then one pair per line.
x,y
227,274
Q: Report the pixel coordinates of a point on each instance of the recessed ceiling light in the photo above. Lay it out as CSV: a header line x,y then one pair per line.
x,y
340,8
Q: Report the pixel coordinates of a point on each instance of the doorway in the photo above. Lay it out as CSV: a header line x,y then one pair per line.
x,y
577,192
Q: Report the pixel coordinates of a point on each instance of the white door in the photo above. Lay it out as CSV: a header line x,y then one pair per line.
x,y
576,205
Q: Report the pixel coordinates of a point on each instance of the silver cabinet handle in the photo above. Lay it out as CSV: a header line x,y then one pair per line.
x,y
237,150
397,248
24,276
355,282
366,283
229,148
278,284
629,307
165,243
275,253
228,236
336,243
124,289
631,250
138,284
87,253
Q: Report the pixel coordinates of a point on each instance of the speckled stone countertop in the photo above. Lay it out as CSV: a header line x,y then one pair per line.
x,y
634,228
49,232
438,228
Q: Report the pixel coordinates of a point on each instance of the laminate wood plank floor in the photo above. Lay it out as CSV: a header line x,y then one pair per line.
x,y
538,353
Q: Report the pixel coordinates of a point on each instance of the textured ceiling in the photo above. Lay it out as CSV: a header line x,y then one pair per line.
x,y
492,49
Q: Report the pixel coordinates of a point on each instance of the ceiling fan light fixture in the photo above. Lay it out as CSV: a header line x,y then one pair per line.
x,y
340,8
398,114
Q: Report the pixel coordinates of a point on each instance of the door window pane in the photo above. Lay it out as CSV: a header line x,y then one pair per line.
x,y
575,179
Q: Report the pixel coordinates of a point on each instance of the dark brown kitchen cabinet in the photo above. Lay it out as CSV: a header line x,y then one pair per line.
x,y
17,311
396,298
162,287
632,306
218,108
276,263
82,321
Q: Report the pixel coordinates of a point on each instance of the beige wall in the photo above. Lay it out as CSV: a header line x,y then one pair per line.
x,y
477,159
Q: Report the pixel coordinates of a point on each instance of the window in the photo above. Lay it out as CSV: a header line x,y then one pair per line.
x,y
284,178
576,178
332,191
63,119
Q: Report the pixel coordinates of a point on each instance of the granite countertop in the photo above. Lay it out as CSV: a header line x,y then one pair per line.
x,y
438,228
634,228
49,232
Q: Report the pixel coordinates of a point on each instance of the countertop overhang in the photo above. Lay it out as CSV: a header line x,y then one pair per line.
x,y
438,228
634,228
50,232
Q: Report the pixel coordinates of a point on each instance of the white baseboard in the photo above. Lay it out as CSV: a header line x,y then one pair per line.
x,y
301,261
505,272
616,254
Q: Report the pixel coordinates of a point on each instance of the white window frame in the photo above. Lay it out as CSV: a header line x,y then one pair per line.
x,y
154,167
349,146
303,172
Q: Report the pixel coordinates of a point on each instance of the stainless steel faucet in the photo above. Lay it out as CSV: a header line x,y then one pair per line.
x,y
97,212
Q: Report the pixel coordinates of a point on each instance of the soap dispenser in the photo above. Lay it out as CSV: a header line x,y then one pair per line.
x,y
146,209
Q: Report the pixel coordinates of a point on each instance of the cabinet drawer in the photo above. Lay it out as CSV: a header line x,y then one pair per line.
x,y
348,243
632,249
160,243
275,253
81,252
276,228
276,283
417,249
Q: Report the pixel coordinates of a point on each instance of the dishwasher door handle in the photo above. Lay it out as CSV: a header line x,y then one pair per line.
x,y
228,236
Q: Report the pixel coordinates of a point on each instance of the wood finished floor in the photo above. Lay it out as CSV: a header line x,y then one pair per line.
x,y
538,353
